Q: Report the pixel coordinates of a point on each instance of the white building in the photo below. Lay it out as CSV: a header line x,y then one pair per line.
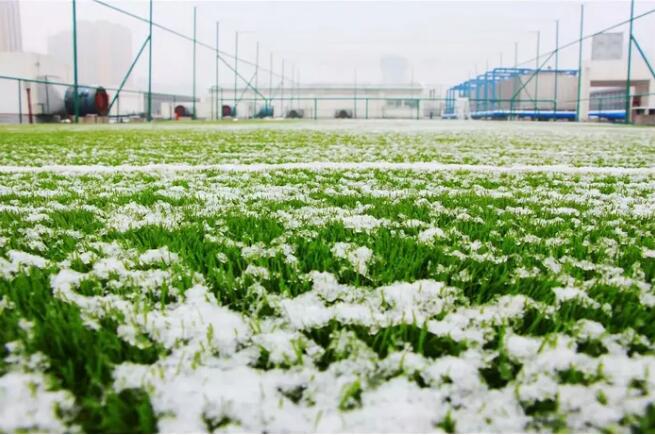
x,y
10,28
607,68
327,101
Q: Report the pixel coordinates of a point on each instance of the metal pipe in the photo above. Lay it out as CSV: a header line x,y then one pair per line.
x,y
644,57
129,71
628,103
577,104
76,97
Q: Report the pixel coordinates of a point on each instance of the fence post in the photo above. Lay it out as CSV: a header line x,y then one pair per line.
x,y
418,108
315,108
366,107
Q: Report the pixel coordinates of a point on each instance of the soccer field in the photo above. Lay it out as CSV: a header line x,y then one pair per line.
x,y
379,276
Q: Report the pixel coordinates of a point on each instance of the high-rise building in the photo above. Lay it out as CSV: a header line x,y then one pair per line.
x,y
395,70
104,51
11,38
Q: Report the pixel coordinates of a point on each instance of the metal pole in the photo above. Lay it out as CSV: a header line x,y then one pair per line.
x,y
628,103
514,79
20,102
282,92
270,82
150,64
355,96
236,67
556,65
366,107
536,79
218,114
76,97
256,75
292,91
577,104
315,108
194,61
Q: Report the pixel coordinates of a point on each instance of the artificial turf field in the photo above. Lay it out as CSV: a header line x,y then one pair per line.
x,y
404,276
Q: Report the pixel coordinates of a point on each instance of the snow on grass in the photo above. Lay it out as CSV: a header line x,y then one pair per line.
x,y
454,281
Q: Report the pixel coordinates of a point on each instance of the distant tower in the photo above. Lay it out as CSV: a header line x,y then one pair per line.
x,y
11,37
104,49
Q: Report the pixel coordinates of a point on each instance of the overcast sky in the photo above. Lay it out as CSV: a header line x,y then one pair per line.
x,y
444,42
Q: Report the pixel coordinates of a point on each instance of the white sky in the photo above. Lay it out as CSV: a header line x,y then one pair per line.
x,y
444,42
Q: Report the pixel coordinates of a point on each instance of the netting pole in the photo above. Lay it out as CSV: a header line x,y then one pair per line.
x,y
577,105
270,84
556,67
218,114
536,79
256,75
355,97
282,92
76,97
628,103
150,64
194,61
236,67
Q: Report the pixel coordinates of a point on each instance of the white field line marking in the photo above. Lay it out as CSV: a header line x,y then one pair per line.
x,y
326,166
